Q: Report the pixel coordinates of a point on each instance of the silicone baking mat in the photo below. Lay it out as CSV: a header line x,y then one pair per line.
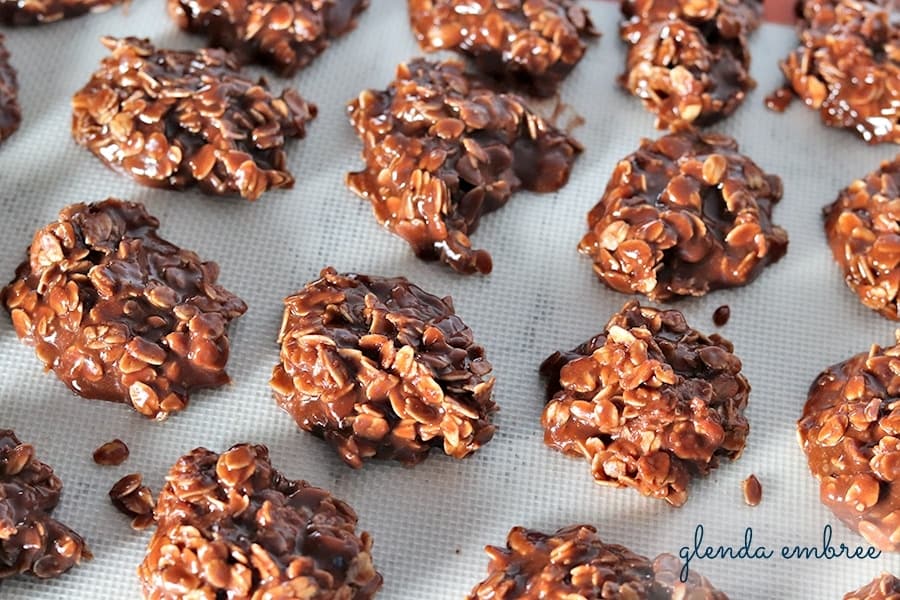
x,y
431,522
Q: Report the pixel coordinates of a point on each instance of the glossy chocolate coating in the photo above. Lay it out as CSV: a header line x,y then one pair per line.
x,y
118,312
286,34
231,526
31,540
850,432
378,367
442,148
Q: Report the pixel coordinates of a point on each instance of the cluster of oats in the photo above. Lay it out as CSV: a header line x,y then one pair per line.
x,y
32,541
883,587
650,403
119,313
689,60
230,526
379,367
575,564
532,44
847,66
38,12
861,226
684,215
850,431
179,118
442,149
133,499
10,112
287,35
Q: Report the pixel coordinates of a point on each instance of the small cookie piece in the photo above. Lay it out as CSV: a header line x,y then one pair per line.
x,y
532,45
684,215
32,541
378,367
39,12
883,587
231,526
650,402
574,562
847,65
176,119
10,113
133,499
688,60
119,313
111,454
850,432
441,149
862,230
286,34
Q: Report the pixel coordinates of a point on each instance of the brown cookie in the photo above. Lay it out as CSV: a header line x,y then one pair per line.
x,y
442,149
379,367
31,540
688,60
230,526
176,119
39,12
684,215
883,587
533,45
10,113
575,563
118,312
649,402
862,230
847,66
850,432
287,35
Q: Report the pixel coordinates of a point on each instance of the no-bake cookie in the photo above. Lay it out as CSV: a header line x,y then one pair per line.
x,y
230,526
31,540
379,367
883,587
863,230
847,66
38,12
179,118
684,215
442,148
530,44
286,34
575,563
850,432
649,402
688,60
118,312
10,113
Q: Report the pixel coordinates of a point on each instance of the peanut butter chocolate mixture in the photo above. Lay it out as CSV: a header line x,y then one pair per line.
x,y
286,34
684,215
862,229
575,563
650,403
850,432
379,367
442,148
531,44
118,312
689,60
231,526
175,119
847,66
31,540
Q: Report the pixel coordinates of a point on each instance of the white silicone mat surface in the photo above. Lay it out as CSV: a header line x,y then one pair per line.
x,y
431,522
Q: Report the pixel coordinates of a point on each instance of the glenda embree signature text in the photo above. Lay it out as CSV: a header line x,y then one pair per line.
x,y
823,551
